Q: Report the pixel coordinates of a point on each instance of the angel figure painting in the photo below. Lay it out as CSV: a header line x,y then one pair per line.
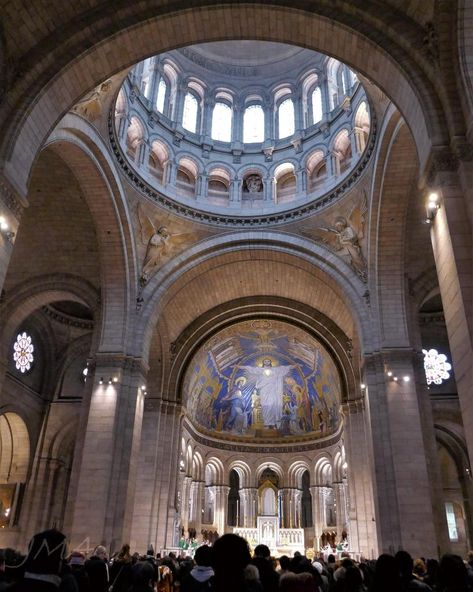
x,y
161,244
345,234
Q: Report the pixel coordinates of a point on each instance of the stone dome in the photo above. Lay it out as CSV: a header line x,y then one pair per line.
x,y
233,131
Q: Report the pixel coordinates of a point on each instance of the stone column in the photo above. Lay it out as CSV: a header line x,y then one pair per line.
x,y
317,513
403,499
325,97
452,242
209,104
340,500
221,505
284,496
106,460
199,505
237,123
235,190
185,498
180,96
298,112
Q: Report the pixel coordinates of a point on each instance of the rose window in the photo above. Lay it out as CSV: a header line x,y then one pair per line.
x,y
23,352
436,366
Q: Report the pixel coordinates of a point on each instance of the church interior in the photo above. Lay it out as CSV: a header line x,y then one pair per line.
x,y
236,272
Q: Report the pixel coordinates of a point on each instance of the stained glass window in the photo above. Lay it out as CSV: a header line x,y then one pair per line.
x,y
23,352
436,366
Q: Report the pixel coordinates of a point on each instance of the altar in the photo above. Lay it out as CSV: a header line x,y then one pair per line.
x,y
281,541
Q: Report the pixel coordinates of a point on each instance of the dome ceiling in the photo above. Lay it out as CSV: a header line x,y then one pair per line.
x,y
263,381
246,59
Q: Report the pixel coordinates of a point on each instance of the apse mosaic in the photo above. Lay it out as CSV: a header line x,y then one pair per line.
x,y
263,379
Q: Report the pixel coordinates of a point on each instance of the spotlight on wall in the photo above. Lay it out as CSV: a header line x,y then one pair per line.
x,y
115,379
406,378
363,386
110,380
5,229
390,374
395,378
432,207
101,380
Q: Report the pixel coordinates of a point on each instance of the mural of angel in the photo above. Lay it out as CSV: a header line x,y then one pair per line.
x,y
160,243
345,234
90,106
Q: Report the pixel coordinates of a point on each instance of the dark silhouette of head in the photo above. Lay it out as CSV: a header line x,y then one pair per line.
x,y
203,556
452,572
405,563
262,551
230,555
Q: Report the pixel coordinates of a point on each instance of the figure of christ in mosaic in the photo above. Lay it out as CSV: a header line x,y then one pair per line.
x,y
269,382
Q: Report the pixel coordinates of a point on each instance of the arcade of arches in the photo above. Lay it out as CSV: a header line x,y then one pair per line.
x,y
237,275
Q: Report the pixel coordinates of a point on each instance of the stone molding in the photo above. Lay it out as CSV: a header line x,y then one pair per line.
x,y
12,200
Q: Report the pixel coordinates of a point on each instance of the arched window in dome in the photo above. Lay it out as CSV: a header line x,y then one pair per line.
x,y
253,124
222,122
317,111
161,96
191,110
146,76
286,118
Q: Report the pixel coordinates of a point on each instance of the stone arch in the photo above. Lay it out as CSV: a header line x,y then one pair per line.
x,y
197,466
233,249
35,293
295,472
14,448
82,149
244,472
214,471
395,183
397,73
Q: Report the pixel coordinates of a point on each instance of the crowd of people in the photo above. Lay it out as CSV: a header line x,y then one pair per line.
x,y
226,566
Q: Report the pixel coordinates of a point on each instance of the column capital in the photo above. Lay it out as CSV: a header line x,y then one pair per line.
x,y
11,199
118,361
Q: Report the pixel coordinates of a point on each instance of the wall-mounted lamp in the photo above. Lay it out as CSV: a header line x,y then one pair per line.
x,y
101,380
5,230
432,207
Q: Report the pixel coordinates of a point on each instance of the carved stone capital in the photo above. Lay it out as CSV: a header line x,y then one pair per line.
x,y
11,198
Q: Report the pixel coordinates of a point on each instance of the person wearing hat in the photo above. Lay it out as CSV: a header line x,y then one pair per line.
x,y
97,570
44,563
77,571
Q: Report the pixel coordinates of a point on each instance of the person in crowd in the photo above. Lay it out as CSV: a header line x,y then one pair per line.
x,y
353,580
142,574
386,575
269,578
284,564
75,577
301,565
431,572
97,570
420,569
230,557
452,575
324,585
44,564
120,571
409,583
252,577
200,578
5,581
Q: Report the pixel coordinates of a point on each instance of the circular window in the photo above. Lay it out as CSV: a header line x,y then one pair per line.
x,y
23,349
